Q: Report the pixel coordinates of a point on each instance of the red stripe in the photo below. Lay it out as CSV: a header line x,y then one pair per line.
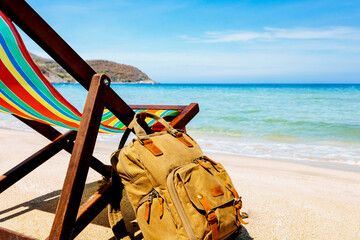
x,y
108,121
110,127
10,81
16,112
36,69
4,104
13,84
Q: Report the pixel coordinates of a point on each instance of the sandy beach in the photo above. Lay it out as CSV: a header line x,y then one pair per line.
x,y
284,200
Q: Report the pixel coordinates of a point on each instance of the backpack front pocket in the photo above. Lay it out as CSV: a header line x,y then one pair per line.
x,y
189,187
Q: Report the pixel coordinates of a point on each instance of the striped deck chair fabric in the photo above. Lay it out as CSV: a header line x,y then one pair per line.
x,y
25,92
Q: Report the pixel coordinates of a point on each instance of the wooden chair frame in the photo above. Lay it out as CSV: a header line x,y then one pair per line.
x,y
70,217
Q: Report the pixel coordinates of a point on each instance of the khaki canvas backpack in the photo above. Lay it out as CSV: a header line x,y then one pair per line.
x,y
176,191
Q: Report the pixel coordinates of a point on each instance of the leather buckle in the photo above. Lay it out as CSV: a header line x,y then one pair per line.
x,y
211,217
237,203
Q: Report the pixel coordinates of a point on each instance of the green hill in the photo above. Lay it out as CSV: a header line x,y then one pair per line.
x,y
118,73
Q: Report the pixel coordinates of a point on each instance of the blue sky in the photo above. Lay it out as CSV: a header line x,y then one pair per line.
x,y
215,41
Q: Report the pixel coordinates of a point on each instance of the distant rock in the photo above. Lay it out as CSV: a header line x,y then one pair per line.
x,y
118,73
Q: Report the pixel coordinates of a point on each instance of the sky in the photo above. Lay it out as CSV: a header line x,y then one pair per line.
x,y
214,41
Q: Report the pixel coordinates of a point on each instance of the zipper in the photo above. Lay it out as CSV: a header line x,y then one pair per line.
x,y
148,200
178,205
204,159
149,197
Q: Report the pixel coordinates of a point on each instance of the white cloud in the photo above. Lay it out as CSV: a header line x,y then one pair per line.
x,y
327,33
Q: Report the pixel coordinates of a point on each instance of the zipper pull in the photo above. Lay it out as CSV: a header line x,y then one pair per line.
x,y
161,202
147,208
161,206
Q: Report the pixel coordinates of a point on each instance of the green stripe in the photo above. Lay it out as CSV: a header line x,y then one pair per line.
x,y
119,125
15,51
11,42
5,110
15,99
104,118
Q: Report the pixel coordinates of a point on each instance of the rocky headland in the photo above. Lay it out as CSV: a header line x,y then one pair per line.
x,y
118,73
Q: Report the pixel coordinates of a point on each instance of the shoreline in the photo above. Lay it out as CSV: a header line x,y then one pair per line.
x,y
112,141
307,151
284,199
351,167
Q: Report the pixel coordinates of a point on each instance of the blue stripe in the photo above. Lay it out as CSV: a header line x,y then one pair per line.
x,y
31,114
106,114
5,110
110,129
28,80
21,104
118,123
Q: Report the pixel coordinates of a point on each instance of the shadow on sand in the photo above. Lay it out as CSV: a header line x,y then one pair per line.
x,y
48,203
127,226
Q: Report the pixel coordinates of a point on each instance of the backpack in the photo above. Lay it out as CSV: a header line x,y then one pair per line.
x,y
176,192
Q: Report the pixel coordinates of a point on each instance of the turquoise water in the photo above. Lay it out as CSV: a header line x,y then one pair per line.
x,y
299,122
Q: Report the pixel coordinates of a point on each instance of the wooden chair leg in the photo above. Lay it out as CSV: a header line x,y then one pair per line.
x,y
74,183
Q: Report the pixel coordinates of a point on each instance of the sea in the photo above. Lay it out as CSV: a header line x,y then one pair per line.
x,y
297,122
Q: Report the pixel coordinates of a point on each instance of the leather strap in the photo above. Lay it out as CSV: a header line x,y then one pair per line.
x,y
181,138
152,147
210,216
144,137
141,133
232,190
237,203
147,211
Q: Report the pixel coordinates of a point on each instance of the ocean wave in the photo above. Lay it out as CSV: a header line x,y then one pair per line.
x,y
238,143
250,111
218,131
275,120
285,148
325,125
303,122
234,119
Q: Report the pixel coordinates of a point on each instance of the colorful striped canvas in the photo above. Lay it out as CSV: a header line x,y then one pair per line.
x,y
24,91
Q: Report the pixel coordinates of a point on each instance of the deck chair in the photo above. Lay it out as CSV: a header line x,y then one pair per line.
x,y
28,96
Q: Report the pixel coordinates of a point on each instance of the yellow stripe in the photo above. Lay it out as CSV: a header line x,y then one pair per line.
x,y
160,112
148,120
104,131
22,111
27,87
113,122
